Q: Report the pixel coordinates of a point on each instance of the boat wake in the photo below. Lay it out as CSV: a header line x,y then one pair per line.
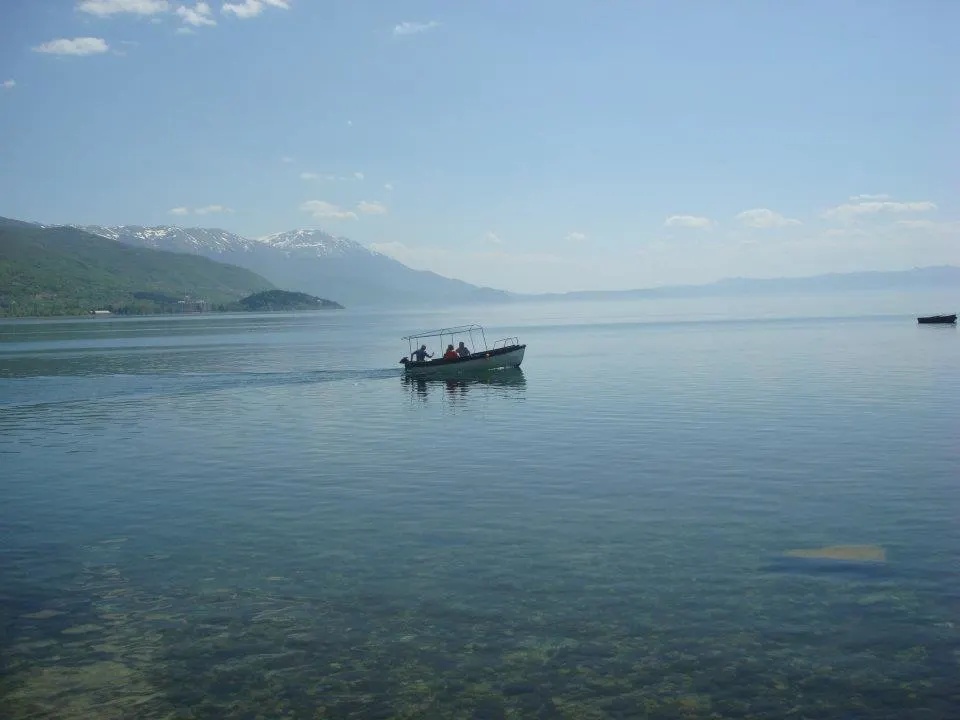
x,y
74,389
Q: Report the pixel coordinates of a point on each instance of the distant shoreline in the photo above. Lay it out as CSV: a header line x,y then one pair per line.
x,y
111,315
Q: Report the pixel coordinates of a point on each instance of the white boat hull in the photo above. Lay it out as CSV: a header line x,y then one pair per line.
x,y
479,362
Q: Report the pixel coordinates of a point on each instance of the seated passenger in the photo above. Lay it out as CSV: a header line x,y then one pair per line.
x,y
463,350
450,354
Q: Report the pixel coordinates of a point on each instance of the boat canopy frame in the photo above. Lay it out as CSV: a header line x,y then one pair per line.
x,y
453,332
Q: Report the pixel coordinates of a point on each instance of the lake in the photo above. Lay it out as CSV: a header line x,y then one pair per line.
x,y
256,516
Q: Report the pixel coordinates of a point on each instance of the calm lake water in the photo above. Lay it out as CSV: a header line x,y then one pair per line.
x,y
257,517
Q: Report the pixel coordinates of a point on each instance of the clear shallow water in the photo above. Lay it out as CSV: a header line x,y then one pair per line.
x,y
258,517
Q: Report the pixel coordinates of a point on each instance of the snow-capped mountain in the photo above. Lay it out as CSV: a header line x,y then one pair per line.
x,y
177,239
309,260
314,242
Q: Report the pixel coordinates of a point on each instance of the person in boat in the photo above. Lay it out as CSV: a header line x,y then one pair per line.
x,y
421,354
450,354
463,351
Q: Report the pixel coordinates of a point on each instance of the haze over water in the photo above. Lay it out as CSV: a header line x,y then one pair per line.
x,y
256,516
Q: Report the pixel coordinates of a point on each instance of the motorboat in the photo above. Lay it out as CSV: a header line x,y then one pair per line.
x,y
938,320
505,353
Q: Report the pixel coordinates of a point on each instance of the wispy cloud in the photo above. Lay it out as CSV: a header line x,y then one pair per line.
x,y
918,224
368,207
689,221
74,46
179,211
317,176
199,14
209,209
252,8
492,238
185,31
388,187
764,218
358,175
852,211
949,227
8,84
323,210
867,196
418,257
576,237
413,28
286,159
106,8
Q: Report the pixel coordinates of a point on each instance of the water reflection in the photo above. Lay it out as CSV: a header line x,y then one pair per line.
x,y
509,383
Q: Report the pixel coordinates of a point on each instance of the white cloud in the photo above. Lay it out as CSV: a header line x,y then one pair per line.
x,y
199,14
412,28
868,196
764,218
323,210
76,46
371,207
921,224
7,84
388,187
688,221
208,209
252,8
106,8
493,238
852,211
349,123
845,232
309,176
951,227
576,237
286,159
185,31
392,248
358,175
416,257
179,211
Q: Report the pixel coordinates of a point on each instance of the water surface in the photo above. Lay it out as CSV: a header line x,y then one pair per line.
x,y
257,516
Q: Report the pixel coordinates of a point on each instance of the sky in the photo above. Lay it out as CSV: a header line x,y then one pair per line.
x,y
544,145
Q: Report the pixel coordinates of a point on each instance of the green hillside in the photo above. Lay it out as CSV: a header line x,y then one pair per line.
x,y
272,300
64,271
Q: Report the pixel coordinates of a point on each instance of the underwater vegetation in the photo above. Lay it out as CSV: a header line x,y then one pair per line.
x,y
262,641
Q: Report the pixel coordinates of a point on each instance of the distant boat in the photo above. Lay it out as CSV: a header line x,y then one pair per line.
x,y
938,320
505,353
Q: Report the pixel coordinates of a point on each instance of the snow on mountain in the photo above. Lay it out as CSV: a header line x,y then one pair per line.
x,y
315,243
308,260
201,241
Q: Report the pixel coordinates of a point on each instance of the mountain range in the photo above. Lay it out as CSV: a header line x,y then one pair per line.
x,y
65,271
311,261
317,262
925,278
65,268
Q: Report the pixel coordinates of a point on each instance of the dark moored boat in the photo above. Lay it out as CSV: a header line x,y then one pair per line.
x,y
938,320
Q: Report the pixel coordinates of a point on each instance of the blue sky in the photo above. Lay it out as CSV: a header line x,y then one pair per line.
x,y
526,145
